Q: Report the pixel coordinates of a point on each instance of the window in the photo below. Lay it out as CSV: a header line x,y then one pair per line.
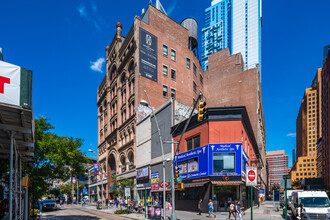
x,y
173,55
195,70
164,91
173,74
193,143
188,63
195,87
173,93
165,70
223,162
164,50
201,78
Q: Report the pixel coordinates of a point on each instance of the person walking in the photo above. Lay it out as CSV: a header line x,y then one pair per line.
x,y
116,203
211,208
232,210
238,211
200,207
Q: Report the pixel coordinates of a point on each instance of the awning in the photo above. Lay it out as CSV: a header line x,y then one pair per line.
x,y
198,184
227,183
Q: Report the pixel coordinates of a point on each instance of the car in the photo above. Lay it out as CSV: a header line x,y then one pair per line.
x,y
49,204
289,196
315,204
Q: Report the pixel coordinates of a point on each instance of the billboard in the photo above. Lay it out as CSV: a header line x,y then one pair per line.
x,y
148,55
142,172
15,85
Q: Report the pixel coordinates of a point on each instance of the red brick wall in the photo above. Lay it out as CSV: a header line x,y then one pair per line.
x,y
174,36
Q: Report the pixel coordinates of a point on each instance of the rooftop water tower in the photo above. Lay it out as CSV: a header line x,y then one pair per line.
x,y
191,25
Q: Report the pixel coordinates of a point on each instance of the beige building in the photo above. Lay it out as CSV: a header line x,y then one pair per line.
x,y
309,130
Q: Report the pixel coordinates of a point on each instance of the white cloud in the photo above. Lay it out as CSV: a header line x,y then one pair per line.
x,y
97,65
82,10
94,7
291,135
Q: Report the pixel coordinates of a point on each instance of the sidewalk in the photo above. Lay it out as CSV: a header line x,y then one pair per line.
x,y
265,212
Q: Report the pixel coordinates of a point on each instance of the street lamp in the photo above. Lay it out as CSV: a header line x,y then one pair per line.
x,y
89,175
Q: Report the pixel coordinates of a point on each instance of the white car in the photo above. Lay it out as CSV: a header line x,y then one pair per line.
x,y
315,204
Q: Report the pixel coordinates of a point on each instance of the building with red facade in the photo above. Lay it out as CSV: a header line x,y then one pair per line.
x,y
213,157
277,162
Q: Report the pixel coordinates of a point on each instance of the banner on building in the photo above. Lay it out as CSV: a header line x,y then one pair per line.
x,y
96,168
15,85
142,173
148,55
73,180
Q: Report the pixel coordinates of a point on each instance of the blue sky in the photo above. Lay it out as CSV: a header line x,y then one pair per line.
x,y
64,42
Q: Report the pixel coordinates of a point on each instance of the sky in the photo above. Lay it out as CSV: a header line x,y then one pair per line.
x,y
63,43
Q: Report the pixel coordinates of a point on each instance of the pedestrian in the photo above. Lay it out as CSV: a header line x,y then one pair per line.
x,y
211,209
106,202
238,210
116,203
200,207
232,210
300,211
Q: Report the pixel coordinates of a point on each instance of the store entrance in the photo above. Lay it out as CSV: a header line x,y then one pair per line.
x,y
224,195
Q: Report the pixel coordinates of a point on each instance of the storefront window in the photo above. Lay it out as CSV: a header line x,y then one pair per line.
x,y
192,193
223,162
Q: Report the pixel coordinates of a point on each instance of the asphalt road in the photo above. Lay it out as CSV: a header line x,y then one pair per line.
x,y
74,212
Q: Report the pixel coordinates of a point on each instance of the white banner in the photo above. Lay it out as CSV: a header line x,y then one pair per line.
x,y
251,176
10,80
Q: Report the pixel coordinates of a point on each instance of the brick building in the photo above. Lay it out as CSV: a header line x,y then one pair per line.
x,y
227,84
323,150
308,129
213,159
176,73
277,166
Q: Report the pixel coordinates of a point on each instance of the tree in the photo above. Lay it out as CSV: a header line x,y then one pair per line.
x,y
55,157
119,184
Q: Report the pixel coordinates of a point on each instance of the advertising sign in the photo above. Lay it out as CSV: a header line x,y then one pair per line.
x,y
73,180
225,159
85,190
142,172
155,186
148,55
251,176
193,163
154,175
15,85
96,168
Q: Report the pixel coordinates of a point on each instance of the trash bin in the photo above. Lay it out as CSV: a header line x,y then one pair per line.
x,y
158,212
99,205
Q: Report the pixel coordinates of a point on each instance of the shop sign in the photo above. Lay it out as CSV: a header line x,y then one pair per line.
x,y
156,180
251,176
140,185
154,175
192,164
142,172
155,186
225,159
96,169
167,184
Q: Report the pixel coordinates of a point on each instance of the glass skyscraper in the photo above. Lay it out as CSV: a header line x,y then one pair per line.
x,y
233,24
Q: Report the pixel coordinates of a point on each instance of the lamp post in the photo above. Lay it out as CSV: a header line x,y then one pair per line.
x,y
163,160
89,176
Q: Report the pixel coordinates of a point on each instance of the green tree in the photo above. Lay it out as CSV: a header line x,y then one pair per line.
x,y
119,185
55,157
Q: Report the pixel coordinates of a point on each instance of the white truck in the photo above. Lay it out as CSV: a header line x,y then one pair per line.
x,y
315,205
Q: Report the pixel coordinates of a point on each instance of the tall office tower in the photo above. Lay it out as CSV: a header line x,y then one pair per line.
x,y
309,130
277,166
293,156
233,24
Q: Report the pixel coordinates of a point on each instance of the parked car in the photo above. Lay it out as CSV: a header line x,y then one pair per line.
x,y
289,196
49,204
315,204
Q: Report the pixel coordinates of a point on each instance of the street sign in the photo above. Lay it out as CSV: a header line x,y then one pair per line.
x,y
179,179
288,183
252,176
168,180
127,192
167,184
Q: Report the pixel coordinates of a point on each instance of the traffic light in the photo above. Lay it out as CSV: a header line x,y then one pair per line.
x,y
180,186
201,111
176,172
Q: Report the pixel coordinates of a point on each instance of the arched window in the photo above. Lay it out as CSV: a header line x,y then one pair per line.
x,y
131,68
131,160
113,73
123,163
112,164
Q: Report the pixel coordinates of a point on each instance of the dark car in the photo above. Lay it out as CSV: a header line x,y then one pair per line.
x,y
49,204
